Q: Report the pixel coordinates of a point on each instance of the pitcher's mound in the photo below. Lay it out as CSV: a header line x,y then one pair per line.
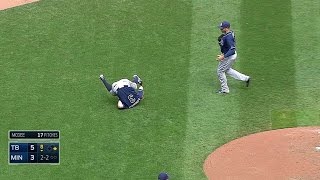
x,y
285,154
6,4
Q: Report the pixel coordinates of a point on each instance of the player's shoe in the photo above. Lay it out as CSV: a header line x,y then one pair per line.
x,y
137,79
248,82
221,92
101,76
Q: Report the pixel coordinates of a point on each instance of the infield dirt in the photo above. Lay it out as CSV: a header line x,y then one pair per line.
x,y
291,153
6,4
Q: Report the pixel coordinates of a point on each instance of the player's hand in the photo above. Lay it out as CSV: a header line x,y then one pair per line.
x,y
220,57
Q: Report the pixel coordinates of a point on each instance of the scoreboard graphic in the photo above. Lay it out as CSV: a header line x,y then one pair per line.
x,y
34,147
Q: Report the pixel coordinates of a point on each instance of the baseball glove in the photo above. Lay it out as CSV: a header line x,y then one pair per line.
x,y
220,37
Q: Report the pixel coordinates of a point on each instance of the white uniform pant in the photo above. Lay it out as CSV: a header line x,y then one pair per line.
x,y
225,67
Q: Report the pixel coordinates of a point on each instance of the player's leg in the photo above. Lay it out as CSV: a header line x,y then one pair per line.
x,y
137,80
221,71
105,83
140,92
237,75
223,81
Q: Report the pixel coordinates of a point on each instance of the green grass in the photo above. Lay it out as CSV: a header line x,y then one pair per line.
x,y
306,42
212,119
267,52
52,53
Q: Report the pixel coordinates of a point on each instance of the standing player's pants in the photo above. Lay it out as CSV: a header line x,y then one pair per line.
x,y
225,67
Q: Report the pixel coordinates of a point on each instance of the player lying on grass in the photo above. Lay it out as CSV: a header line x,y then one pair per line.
x,y
128,93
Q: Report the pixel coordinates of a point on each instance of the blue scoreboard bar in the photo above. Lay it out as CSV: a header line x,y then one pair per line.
x,y
26,151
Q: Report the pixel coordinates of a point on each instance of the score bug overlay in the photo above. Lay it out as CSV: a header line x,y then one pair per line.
x,y
34,147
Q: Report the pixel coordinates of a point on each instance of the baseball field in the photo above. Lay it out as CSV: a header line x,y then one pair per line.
x,y
52,53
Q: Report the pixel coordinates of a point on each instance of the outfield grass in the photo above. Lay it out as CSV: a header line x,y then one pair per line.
x,y
268,48
212,119
52,53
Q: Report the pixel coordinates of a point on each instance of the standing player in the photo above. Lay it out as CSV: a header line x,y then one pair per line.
x,y
127,91
227,57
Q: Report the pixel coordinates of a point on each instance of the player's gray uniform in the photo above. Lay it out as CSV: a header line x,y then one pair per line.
x,y
227,44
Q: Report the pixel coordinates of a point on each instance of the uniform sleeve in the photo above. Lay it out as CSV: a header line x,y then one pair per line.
x,y
231,44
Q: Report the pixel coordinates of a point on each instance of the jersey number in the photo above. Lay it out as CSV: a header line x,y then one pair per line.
x,y
131,98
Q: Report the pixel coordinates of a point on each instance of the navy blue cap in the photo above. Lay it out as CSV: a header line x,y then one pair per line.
x,y
224,24
163,176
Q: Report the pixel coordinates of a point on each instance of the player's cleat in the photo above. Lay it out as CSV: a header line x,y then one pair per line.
x,y
101,77
137,79
248,82
221,92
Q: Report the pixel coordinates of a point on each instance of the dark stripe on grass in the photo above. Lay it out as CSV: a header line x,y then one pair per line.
x,y
267,55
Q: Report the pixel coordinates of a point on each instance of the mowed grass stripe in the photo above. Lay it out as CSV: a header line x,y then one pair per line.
x,y
306,35
212,118
267,56
26,101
